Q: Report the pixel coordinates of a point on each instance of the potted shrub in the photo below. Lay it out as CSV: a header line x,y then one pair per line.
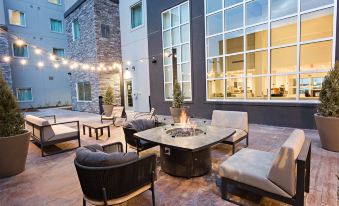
x,y
14,139
108,101
327,118
178,111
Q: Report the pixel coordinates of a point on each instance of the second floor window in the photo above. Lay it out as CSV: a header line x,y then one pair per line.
x,y
76,30
58,2
84,91
24,94
136,15
20,51
16,18
59,52
56,26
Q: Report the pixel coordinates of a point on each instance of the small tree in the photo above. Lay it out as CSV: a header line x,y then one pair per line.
x,y
178,98
11,118
109,97
329,94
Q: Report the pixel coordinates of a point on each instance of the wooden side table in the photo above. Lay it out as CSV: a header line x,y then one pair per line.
x,y
96,127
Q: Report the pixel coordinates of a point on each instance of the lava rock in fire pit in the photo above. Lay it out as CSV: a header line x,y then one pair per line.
x,y
184,132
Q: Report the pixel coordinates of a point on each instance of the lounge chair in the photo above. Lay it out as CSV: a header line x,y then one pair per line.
x,y
117,112
235,120
108,176
284,176
46,134
146,115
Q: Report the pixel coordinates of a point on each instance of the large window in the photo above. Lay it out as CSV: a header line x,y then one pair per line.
x,y
59,52
24,94
16,18
84,91
268,50
20,51
75,30
56,26
136,15
176,34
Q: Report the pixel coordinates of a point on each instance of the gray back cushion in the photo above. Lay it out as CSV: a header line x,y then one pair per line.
x,y
91,157
140,124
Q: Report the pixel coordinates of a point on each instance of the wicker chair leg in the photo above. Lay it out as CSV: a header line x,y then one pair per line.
x,y
247,141
83,202
105,196
224,193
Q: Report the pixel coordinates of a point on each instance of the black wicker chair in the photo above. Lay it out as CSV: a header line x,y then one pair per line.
x,y
117,184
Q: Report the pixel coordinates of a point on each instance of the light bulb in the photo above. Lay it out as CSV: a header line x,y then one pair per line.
x,y
64,62
37,51
93,68
52,57
7,59
56,66
128,63
19,42
23,61
40,64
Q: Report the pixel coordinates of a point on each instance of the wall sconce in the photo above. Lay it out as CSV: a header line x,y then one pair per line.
x,y
154,60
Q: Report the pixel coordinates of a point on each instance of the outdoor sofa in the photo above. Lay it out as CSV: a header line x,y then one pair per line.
x,y
235,120
108,176
46,134
284,176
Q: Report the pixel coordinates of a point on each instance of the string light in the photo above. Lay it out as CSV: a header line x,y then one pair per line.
x,y
64,62
128,63
93,68
23,61
40,64
52,57
56,66
7,59
105,69
37,51
19,42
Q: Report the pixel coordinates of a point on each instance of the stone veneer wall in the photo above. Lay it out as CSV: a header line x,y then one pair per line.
x,y
5,68
91,48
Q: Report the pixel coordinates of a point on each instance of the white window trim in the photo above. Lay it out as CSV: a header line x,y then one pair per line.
x,y
73,36
55,3
142,16
18,57
77,93
50,26
268,49
17,94
177,45
9,18
59,49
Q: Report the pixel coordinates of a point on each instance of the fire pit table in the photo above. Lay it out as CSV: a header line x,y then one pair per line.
x,y
185,151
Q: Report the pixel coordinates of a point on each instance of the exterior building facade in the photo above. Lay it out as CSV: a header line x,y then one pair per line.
x,y
41,24
93,38
134,48
265,57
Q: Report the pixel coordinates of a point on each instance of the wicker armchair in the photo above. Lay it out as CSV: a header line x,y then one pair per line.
x,y
117,184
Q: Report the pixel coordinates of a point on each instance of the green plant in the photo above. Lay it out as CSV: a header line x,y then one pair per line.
x,y
329,94
109,97
11,119
178,98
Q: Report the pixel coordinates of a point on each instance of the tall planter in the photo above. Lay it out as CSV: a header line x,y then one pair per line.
x,y
13,154
328,128
107,109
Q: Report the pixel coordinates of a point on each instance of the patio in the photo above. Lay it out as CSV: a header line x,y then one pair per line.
x,y
53,180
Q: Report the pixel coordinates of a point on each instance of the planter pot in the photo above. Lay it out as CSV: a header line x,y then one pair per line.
x,y
177,112
13,154
328,128
107,109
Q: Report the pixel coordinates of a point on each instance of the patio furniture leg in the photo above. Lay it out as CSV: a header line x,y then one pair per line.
x,y
83,202
153,196
108,132
247,141
90,131
83,129
101,131
224,193
105,196
126,147
233,148
96,134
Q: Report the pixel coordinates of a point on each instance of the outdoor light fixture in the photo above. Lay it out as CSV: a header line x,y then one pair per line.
x,y
128,63
154,60
7,59
37,51
56,66
23,61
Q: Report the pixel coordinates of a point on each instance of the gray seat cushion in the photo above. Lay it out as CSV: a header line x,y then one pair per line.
x,y
92,156
140,124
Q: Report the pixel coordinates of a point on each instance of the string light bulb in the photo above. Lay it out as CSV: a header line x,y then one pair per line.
x,y
128,63
52,57
40,64
6,59
23,61
56,66
19,42
37,51
64,62
93,68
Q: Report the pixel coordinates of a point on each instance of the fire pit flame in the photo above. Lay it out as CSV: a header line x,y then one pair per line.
x,y
186,128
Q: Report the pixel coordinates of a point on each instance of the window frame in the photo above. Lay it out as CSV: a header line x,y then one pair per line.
x,y
142,15
269,21
9,18
19,57
105,28
77,91
188,42
73,36
62,26
54,48
17,94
